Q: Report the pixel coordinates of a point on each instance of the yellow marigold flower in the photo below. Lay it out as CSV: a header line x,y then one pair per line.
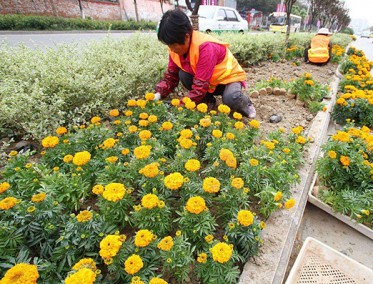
x,y
4,187
245,218
95,119
161,204
202,257
133,264
150,170
190,105
83,126
149,201
143,238
297,130
50,141
85,263
166,243
202,107
114,112
117,122
157,280
142,152
84,275
307,75
231,162
125,151
31,209
109,246
254,124
152,118
186,133
192,165
149,96
143,115
143,123
262,225
237,115
290,203
239,125
237,183
114,192
8,203
277,196
217,133
68,158
174,181
178,233
205,122
224,109
141,103
131,103
108,143
132,129
342,136
286,150
211,185
221,252
230,136
209,238
301,140
195,205
253,162
61,130
111,159
128,113
167,125
81,158
332,154
136,280
309,82
98,189
224,154
345,161
145,134
175,102
13,153
185,143
84,216
21,273
365,212
38,197
28,166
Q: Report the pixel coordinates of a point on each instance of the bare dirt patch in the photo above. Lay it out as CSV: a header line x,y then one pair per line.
x,y
293,113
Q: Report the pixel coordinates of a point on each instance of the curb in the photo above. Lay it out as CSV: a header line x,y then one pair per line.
x,y
271,265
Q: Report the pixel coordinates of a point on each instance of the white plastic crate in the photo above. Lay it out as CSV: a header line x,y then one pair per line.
x,y
318,263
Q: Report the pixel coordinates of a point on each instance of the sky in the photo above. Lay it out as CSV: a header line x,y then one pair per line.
x,y
361,9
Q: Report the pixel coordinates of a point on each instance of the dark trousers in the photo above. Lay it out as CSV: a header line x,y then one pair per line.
x,y
231,93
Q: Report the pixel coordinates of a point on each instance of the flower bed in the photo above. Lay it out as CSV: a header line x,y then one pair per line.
x,y
156,191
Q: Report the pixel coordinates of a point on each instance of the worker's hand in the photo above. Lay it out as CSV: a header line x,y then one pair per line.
x,y
157,96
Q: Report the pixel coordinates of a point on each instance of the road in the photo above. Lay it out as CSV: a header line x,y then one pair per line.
x,y
43,40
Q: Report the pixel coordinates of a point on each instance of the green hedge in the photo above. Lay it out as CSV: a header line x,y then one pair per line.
x,y
40,90
22,22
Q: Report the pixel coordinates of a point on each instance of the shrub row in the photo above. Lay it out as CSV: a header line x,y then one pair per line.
x,y
22,22
40,90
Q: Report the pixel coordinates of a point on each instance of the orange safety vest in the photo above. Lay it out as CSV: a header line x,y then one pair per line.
x,y
228,71
319,51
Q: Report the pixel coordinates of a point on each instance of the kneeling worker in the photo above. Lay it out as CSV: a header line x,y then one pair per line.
x,y
203,64
320,50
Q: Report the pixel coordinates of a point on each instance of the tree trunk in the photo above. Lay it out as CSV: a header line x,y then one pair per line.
x,y
136,12
81,9
161,2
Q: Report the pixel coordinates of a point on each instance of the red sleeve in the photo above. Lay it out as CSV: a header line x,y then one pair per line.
x,y
170,79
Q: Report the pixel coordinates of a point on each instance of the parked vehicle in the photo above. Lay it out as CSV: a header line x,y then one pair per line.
x,y
366,34
278,22
219,19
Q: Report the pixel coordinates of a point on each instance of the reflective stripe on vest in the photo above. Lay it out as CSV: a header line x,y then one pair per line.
x,y
228,71
319,51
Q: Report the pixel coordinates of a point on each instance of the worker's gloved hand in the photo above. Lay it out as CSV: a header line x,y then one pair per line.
x,y
157,96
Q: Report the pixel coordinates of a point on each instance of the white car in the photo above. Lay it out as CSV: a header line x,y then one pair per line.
x,y
219,19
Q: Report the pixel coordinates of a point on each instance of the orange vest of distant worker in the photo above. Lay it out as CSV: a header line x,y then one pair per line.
x,y
228,71
319,51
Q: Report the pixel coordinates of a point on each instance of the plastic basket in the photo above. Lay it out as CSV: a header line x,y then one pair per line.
x,y
320,264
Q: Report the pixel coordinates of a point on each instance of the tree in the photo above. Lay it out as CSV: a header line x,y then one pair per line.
x,y
81,9
289,6
194,16
265,6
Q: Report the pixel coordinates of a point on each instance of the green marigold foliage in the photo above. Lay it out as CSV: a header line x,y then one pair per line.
x,y
153,189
